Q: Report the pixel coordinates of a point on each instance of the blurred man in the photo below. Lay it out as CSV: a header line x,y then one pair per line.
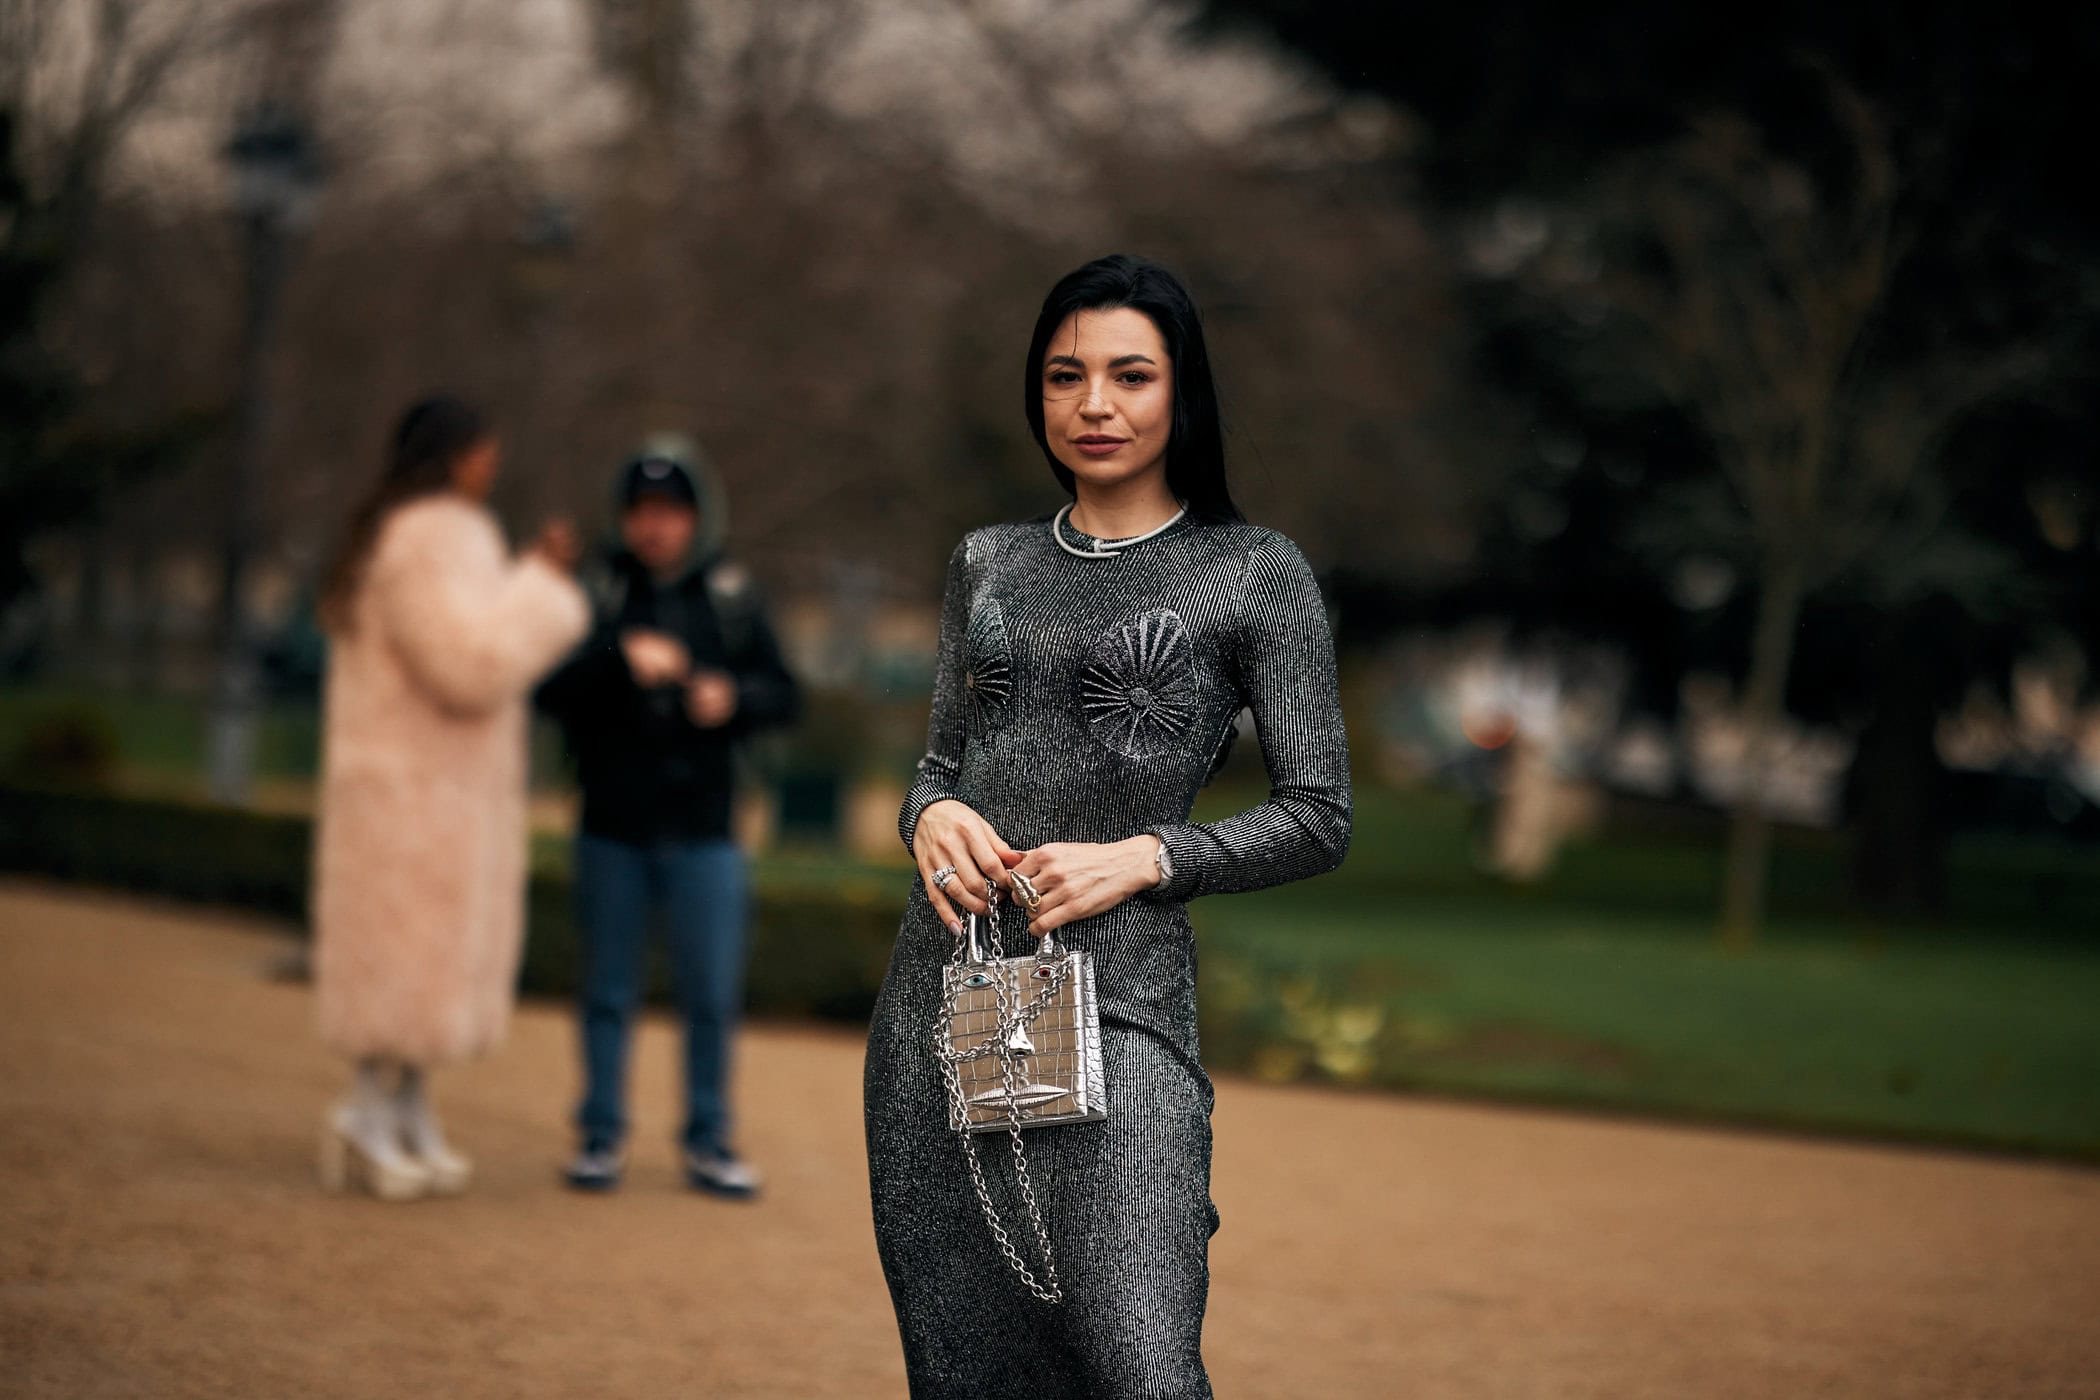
x,y
680,666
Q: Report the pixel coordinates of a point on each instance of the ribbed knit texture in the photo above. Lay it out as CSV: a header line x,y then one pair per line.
x,y
1085,700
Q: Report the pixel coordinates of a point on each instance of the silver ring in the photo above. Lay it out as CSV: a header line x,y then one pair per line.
x,y
942,876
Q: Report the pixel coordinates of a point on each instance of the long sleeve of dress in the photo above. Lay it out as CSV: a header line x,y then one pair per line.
x,y
948,724
475,627
1287,675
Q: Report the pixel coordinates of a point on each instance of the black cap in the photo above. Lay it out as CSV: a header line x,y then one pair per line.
x,y
655,475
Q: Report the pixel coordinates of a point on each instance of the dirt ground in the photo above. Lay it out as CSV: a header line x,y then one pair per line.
x,y
161,1236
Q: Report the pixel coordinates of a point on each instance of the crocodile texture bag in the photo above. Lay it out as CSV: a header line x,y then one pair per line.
x,y
1019,1044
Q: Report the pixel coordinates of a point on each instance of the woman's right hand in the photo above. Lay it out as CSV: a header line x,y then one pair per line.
x,y
950,833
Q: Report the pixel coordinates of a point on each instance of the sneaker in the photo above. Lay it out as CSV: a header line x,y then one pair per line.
x,y
594,1169
720,1172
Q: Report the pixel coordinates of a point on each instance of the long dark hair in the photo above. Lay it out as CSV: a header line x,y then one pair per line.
x,y
428,443
1196,441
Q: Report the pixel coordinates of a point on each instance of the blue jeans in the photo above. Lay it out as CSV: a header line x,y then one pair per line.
x,y
701,890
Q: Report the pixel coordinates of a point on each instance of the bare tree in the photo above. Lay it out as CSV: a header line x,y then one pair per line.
x,y
822,269
1756,308
80,75
75,80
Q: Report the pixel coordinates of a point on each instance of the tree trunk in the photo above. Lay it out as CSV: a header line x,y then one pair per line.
x,y
1895,791
1749,859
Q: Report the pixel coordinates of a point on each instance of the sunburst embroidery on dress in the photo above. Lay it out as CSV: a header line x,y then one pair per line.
x,y
1139,688
989,679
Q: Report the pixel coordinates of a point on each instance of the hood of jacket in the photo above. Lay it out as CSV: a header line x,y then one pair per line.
x,y
710,499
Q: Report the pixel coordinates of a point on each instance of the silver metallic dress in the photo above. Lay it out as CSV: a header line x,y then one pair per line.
x,y
1086,699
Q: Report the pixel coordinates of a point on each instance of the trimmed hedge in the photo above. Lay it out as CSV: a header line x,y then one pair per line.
x,y
219,855
816,951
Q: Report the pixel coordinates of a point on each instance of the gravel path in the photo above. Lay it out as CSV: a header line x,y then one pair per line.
x,y
160,1235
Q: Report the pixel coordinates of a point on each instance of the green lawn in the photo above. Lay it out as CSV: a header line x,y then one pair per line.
x,y
1605,986
1955,1040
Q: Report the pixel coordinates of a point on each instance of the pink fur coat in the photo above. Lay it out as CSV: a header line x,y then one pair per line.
x,y
419,862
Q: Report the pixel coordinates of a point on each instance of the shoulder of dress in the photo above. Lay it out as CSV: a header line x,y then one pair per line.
x,y
1270,550
1266,564
1243,544
1263,537
987,542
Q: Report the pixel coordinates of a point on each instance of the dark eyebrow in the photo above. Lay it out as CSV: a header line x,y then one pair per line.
x,y
1117,363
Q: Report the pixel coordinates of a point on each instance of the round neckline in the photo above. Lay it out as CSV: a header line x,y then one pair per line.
x,y
1061,526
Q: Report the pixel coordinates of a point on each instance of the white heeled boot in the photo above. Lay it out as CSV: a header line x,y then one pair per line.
x,y
361,1144
424,1137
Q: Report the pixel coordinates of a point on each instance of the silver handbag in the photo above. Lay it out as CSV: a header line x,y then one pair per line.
x,y
1019,1044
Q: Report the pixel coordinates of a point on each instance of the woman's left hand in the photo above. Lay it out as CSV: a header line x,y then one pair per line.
x,y
1079,879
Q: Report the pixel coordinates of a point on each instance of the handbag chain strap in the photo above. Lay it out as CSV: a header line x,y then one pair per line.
x,y
1010,1018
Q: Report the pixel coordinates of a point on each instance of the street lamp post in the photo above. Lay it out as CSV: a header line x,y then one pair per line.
x,y
546,245
276,174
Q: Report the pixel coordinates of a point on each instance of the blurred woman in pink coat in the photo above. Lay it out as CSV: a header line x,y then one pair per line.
x,y
437,637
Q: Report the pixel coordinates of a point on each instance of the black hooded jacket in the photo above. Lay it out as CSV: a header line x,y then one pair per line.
x,y
648,772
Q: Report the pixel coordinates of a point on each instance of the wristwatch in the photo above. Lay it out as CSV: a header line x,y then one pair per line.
x,y
1165,862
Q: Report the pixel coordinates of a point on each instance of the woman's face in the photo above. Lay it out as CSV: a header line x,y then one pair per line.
x,y
474,474
1108,396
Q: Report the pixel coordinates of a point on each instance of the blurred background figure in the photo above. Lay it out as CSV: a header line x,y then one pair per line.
x,y
438,636
680,668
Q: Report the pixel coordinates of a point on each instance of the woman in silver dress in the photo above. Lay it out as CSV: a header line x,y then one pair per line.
x,y
1093,665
